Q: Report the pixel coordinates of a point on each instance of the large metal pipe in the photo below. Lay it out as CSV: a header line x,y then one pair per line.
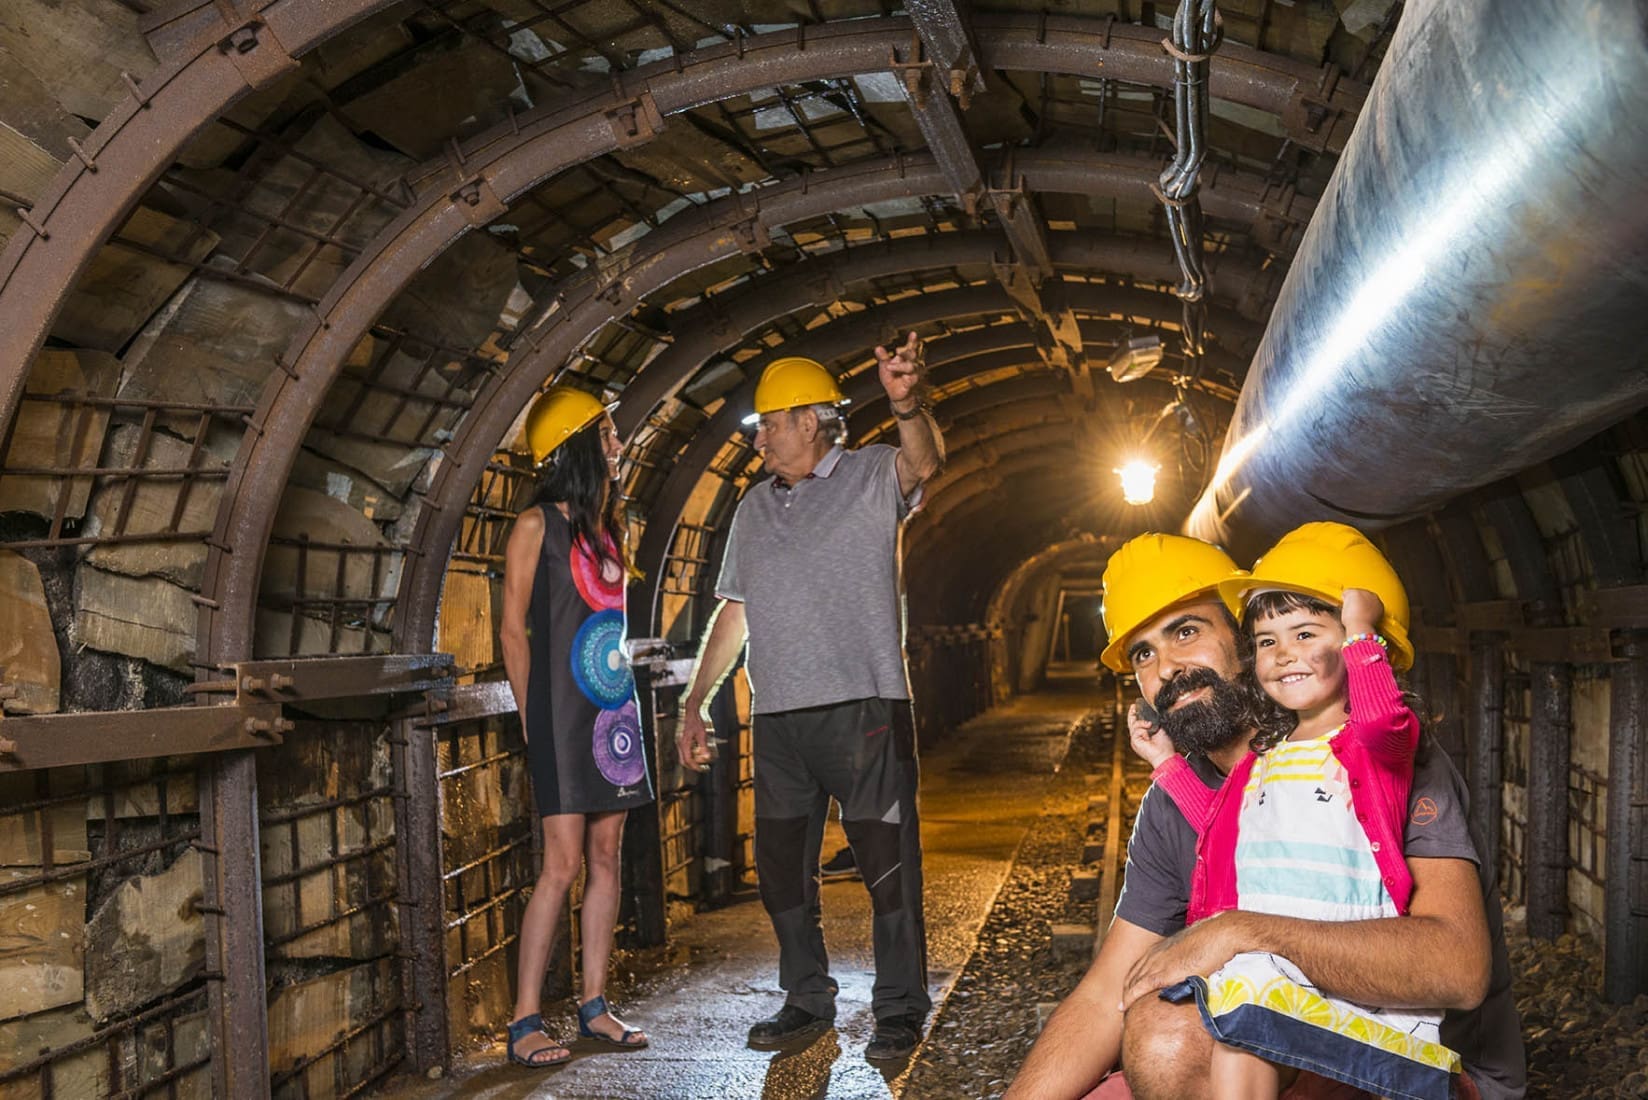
x,y
1468,299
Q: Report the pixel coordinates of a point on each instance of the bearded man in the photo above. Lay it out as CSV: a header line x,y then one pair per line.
x,y
1168,627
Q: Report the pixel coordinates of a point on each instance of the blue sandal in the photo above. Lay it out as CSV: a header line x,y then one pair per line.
x,y
544,1057
633,1038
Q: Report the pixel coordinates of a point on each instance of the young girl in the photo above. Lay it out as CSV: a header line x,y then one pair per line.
x,y
562,637
1309,823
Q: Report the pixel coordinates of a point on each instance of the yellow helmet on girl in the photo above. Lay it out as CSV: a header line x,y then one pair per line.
x,y
558,414
1322,560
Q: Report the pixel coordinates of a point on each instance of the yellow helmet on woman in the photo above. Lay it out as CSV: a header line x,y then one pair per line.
x,y
1322,560
558,414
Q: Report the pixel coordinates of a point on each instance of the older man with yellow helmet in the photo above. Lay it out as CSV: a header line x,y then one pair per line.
x,y
811,570
1169,625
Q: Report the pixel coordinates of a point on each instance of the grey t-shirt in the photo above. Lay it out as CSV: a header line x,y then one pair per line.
x,y
816,567
1161,856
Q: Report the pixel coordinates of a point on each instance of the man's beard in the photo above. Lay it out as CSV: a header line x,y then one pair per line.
x,y
1206,725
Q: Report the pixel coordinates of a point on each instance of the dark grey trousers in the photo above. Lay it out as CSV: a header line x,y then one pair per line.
x,y
862,753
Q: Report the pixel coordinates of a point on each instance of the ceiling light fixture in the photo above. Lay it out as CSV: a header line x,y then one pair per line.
x,y
1138,481
1135,357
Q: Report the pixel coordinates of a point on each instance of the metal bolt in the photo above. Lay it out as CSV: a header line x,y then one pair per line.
x,y
253,683
243,41
279,682
8,747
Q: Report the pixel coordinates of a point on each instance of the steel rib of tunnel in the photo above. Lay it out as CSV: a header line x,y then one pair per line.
x,y
478,189
1478,251
200,81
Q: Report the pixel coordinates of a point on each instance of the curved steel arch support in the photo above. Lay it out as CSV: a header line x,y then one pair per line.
x,y
1068,45
130,149
457,198
695,240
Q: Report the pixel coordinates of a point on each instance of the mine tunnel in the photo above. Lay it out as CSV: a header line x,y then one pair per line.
x,y
281,279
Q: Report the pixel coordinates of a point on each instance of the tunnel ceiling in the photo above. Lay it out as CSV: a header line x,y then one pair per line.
x,y
306,249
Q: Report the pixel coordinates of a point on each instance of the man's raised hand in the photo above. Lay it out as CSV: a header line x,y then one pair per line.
x,y
901,371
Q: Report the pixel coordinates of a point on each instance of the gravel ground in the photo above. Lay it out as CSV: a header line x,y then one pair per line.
x,y
989,1021
1578,1046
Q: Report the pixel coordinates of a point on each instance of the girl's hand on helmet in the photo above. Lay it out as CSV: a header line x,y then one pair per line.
x,y
1361,612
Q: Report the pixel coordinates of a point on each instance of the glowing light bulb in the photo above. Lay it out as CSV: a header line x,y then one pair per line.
x,y
1138,481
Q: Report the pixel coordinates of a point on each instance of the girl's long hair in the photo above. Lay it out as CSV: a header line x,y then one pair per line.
x,y
577,474
1272,722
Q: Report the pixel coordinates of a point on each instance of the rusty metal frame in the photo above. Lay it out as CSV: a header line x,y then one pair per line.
x,y
494,168
35,741
223,61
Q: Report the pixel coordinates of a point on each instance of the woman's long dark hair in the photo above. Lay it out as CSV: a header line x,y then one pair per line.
x,y
577,474
1272,722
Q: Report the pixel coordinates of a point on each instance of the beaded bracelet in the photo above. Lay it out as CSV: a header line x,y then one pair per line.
x,y
1354,638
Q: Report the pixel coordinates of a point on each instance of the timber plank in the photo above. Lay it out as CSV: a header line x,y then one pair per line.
x,y
77,49
27,1038
50,434
42,945
29,660
150,511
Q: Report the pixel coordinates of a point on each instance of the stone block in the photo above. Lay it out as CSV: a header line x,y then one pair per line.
x,y
146,940
150,510
143,617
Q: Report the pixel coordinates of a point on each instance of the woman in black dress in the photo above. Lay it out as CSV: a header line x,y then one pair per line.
x,y
562,637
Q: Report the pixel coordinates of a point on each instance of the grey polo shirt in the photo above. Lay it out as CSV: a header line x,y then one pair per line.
x,y
816,566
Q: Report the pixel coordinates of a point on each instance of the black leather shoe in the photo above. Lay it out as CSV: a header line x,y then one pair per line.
x,y
895,1037
787,1025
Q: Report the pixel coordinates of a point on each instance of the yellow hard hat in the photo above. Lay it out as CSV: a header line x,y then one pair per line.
x,y
794,381
559,412
1322,560
1148,575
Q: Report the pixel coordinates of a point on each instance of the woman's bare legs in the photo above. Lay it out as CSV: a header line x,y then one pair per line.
x,y
603,842
1238,1075
563,852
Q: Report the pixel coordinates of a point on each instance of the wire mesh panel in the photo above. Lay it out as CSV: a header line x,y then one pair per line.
x,y
331,927
490,853
1587,840
92,860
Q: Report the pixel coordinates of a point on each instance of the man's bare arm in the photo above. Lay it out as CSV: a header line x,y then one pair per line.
x,y
1436,957
1083,1039
723,641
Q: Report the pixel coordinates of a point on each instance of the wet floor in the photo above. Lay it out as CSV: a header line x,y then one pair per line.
x,y
981,787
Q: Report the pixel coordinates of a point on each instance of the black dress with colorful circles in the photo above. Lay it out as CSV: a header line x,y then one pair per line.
x,y
584,740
